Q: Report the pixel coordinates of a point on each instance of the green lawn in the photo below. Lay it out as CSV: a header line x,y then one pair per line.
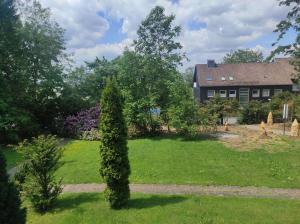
x,y
91,208
171,160
12,156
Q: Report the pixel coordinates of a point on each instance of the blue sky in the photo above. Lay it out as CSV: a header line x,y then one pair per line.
x,y
210,28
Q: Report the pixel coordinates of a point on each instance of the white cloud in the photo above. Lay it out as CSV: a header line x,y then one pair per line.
x,y
110,51
229,24
80,18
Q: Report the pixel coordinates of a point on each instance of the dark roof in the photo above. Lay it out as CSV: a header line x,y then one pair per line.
x,y
278,72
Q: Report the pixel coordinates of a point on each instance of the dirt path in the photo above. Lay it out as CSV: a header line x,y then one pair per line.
x,y
259,192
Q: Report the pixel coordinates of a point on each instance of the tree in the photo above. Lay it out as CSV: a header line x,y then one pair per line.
x,y
222,107
10,203
291,23
31,69
97,72
43,45
182,112
254,112
188,76
15,120
157,57
42,160
243,56
114,165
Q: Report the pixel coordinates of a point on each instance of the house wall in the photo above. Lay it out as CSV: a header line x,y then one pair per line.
x,y
203,91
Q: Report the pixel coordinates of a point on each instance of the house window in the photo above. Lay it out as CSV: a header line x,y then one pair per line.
x,y
255,93
295,87
223,78
210,93
232,93
276,91
230,78
223,93
266,93
209,78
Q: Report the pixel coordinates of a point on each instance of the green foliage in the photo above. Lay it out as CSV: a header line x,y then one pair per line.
x,y
188,76
31,70
243,56
182,112
222,107
254,112
291,22
91,135
10,203
134,85
114,163
156,38
15,122
154,65
42,156
277,102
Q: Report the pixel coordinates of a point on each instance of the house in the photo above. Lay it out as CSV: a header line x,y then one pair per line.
x,y
243,81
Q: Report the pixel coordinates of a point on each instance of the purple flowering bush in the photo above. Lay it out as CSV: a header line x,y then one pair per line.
x,y
83,121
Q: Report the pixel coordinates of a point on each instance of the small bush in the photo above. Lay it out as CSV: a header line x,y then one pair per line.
x,y
42,155
254,112
92,135
10,203
86,120
277,102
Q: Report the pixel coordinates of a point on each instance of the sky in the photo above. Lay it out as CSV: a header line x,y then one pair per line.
x,y
210,28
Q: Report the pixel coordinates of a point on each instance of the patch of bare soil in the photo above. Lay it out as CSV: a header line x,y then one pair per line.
x,y
252,138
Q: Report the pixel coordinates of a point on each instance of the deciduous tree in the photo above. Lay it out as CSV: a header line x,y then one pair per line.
x,y
290,24
243,56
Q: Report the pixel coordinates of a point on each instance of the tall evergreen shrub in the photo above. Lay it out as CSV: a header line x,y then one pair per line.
x,y
10,203
114,165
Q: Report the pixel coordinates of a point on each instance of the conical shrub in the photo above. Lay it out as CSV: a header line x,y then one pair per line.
x,y
114,165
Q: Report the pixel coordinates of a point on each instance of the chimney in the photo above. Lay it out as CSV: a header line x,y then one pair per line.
x,y
211,64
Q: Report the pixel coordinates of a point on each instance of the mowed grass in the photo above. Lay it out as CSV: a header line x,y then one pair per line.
x,y
90,208
13,158
177,161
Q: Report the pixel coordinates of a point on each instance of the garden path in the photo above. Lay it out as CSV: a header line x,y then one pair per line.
x,y
259,192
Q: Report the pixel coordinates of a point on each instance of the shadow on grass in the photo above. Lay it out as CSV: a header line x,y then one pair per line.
x,y
176,136
153,201
73,201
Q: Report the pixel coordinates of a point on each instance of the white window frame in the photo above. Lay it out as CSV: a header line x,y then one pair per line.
x,y
214,93
276,91
232,95
265,95
257,94
223,78
231,78
223,95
